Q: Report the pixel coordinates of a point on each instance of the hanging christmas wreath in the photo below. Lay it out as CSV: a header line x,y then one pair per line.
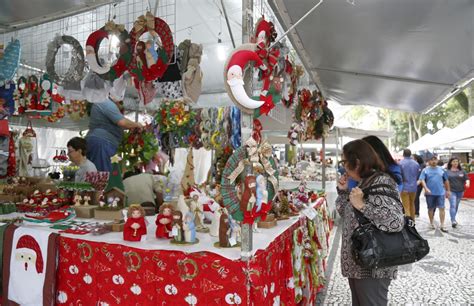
x,y
147,64
125,53
138,147
240,190
175,116
76,68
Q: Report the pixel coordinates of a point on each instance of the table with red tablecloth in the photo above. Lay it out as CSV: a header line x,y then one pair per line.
x,y
286,271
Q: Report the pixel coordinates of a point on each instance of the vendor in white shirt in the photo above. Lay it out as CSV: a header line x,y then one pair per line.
x,y
76,151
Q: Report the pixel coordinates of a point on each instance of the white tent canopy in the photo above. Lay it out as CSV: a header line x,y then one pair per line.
x,y
463,134
422,143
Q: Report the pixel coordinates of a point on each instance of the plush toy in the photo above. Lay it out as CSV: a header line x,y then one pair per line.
x,y
135,226
164,222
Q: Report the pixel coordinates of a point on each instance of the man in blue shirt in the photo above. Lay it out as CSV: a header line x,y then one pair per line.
x,y
436,185
410,170
106,125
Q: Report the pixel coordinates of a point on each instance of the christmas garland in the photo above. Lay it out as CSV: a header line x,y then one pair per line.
x,y
92,48
76,68
138,148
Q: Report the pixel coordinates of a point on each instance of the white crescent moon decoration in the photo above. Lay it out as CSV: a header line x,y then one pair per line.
x,y
233,76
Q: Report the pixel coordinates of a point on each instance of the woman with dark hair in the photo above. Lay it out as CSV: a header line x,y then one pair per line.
x,y
368,286
419,188
391,166
457,179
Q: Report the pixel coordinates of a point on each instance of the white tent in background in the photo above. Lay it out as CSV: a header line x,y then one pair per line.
x,y
421,143
442,136
461,135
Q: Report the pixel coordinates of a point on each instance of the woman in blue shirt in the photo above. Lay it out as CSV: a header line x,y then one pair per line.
x,y
106,125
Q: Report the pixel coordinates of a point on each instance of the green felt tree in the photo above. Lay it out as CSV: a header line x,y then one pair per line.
x,y
115,177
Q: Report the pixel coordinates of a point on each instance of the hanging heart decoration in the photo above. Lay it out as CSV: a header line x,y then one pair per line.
x,y
10,61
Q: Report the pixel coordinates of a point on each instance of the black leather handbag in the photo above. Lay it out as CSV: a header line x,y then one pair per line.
x,y
374,248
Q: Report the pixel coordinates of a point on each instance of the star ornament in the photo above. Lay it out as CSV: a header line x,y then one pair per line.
x,y
115,159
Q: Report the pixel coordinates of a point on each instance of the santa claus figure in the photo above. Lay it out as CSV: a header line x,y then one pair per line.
x,y
27,270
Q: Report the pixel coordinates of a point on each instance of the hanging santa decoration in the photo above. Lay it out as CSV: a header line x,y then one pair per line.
x,y
236,64
111,29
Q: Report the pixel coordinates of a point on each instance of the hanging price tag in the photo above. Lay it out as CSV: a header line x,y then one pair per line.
x,y
310,212
232,241
174,232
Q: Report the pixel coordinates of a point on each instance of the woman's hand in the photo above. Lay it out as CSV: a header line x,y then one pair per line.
x,y
342,183
356,197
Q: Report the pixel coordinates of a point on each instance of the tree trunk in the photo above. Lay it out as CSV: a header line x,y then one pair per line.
x,y
410,131
417,123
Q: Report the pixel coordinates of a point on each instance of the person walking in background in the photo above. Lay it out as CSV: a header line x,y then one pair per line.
x,y
410,172
392,168
457,179
436,185
419,188
368,286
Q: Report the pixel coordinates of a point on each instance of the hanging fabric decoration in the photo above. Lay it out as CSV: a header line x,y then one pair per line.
x,y
20,95
148,64
192,78
235,66
45,102
10,61
115,71
75,72
32,94
258,190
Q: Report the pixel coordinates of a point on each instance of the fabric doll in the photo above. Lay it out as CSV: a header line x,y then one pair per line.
x,y
196,208
164,222
177,229
150,53
189,228
223,230
135,226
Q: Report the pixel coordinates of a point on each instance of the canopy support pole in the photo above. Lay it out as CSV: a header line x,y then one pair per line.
x,y
323,163
296,23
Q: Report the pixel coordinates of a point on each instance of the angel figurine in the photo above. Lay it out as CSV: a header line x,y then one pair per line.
x,y
189,228
135,226
77,200
196,208
86,200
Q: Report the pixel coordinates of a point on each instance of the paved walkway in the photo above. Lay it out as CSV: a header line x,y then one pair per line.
x,y
444,277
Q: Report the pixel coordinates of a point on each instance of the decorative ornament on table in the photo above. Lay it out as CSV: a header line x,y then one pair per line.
x,y
177,230
189,228
72,78
197,209
135,225
145,66
114,191
237,172
164,222
112,30
10,61
187,181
